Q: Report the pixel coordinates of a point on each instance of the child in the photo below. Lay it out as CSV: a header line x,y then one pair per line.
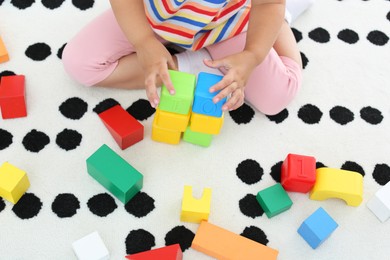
x,y
249,41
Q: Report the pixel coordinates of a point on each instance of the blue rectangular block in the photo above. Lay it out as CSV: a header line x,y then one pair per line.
x,y
203,99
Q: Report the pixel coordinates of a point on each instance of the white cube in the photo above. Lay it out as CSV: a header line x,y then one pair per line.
x,y
91,247
380,203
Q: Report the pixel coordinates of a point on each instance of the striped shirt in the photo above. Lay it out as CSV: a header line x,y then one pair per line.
x,y
194,24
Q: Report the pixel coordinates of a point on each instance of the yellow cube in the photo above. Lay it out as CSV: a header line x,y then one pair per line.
x,y
164,135
173,121
206,124
13,182
195,210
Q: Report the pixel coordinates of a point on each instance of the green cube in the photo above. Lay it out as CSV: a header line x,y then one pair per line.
x,y
181,101
198,138
274,200
114,173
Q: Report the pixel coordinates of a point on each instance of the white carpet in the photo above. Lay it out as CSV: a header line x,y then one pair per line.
x,y
342,74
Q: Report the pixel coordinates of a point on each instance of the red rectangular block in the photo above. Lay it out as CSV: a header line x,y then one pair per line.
x,y
298,173
12,96
125,129
172,252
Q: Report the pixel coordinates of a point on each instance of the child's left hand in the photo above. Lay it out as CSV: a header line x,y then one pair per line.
x,y
237,69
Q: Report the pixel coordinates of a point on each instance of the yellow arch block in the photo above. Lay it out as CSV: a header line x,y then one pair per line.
x,y
336,183
195,210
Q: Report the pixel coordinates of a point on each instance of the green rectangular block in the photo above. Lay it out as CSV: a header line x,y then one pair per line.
x,y
198,138
114,173
274,200
181,101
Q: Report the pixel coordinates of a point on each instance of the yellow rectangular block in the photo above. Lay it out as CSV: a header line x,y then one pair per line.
x,y
13,182
206,124
195,210
173,121
3,52
164,135
226,245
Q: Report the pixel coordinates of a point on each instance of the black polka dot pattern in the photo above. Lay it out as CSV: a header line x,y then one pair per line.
x,y
242,115
319,35
38,51
141,109
65,205
297,34
381,174
276,171
22,4
310,114
83,4
341,115
5,139
60,51
138,241
68,139
249,171
35,141
255,234
353,166
250,207
28,206
180,235
104,105
73,108
102,204
6,73
52,4
2,205
305,60
140,205
378,38
371,115
348,36
280,117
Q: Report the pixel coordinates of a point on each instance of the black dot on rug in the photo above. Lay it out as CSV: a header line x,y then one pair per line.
x,y
104,105
22,4
52,4
348,36
341,115
2,205
388,16
138,241
319,35
6,73
371,115
249,171
60,51
180,235
141,109
83,4
276,171
102,204
305,60
65,205
319,165
38,51
381,174
377,38
68,139
255,234
242,115
140,205
1,2
73,108
5,139
34,141
297,34
310,114
250,207
280,117
353,166
28,206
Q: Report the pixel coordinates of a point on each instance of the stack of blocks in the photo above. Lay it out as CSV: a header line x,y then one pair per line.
x,y
190,111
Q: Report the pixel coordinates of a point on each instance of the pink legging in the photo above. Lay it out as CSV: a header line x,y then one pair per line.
x,y
93,54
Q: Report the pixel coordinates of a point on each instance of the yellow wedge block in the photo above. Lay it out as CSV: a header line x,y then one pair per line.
x,y
13,182
206,124
195,210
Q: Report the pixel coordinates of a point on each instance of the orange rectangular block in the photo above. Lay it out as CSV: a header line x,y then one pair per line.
x,y
172,252
226,245
3,52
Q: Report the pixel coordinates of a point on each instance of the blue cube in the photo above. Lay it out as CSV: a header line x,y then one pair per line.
x,y
317,228
203,99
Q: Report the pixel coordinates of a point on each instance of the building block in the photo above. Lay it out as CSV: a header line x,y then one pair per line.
x,y
274,200
203,99
125,129
12,96
3,52
226,245
379,204
206,124
91,247
317,228
164,135
13,182
114,173
172,121
195,210
335,183
298,173
181,101
172,252
201,139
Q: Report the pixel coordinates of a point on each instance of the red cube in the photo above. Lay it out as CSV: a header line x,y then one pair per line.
x,y
12,96
298,173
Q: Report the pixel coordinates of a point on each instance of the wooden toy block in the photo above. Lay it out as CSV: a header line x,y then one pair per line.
x,y
274,200
181,101
13,182
226,245
164,135
379,204
335,183
12,96
203,99
172,121
3,52
201,139
172,252
206,124
298,173
114,173
317,228
195,210
91,247
125,129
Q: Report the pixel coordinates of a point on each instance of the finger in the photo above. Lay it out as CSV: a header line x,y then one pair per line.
x,y
166,79
226,81
214,63
225,92
172,64
235,101
151,91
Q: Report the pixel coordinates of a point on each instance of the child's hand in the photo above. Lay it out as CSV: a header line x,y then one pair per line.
x,y
237,69
155,60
